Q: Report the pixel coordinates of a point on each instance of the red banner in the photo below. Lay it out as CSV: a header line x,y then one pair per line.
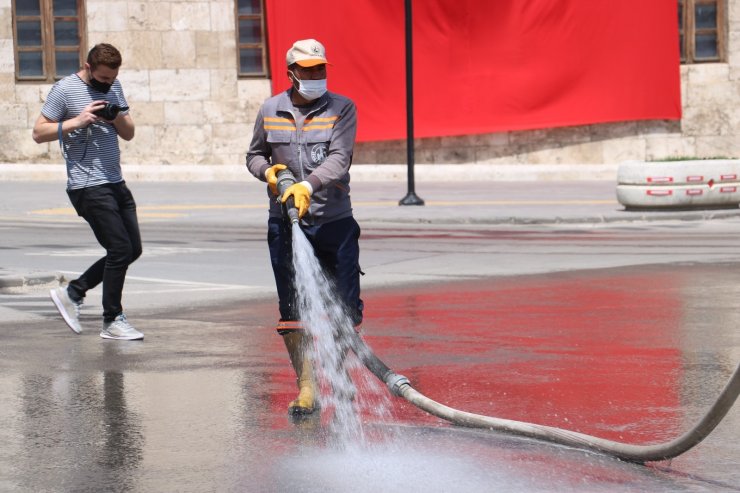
x,y
484,66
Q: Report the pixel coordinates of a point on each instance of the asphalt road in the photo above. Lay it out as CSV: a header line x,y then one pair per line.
x,y
597,321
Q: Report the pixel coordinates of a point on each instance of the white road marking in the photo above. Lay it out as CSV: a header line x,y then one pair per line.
x,y
193,285
148,252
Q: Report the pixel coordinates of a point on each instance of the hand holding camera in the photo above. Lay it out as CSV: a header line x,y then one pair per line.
x,y
109,111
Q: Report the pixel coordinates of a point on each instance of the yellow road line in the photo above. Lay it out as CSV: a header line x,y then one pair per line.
x,y
456,203
178,210
159,215
59,211
154,208
199,207
68,211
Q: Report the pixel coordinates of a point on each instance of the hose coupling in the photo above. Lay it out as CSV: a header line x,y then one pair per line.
x,y
394,382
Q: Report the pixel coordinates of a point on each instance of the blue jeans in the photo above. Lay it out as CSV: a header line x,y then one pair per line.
x,y
110,211
336,245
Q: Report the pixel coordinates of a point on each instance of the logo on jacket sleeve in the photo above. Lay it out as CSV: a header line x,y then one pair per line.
x,y
318,153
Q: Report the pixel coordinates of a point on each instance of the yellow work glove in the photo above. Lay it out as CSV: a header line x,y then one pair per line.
x,y
271,176
301,197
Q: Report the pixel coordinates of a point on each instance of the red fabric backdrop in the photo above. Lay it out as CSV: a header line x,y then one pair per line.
x,y
485,66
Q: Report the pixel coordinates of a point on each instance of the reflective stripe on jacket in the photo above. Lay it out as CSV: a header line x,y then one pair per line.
x,y
318,151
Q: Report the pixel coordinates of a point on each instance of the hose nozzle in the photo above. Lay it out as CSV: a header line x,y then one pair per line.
x,y
292,211
285,179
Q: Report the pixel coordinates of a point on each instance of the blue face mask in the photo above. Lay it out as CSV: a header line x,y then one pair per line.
x,y
311,89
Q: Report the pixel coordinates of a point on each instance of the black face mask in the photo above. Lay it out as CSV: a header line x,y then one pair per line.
x,y
103,87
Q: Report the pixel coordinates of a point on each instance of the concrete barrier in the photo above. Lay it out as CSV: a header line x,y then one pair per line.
x,y
698,184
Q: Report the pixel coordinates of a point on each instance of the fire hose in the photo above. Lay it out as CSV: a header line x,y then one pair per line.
x,y
401,387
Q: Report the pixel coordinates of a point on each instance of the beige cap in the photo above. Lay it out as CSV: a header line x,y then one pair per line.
x,y
306,53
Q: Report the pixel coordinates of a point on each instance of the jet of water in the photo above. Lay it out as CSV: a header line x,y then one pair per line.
x,y
326,319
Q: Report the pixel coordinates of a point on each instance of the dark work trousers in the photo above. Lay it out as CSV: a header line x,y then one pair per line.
x,y
110,211
336,245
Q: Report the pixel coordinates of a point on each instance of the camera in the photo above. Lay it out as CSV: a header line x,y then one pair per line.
x,y
110,111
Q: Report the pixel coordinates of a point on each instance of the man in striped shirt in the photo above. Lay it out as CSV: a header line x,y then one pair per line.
x,y
87,112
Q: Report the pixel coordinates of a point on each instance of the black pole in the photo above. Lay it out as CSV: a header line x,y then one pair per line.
x,y
410,198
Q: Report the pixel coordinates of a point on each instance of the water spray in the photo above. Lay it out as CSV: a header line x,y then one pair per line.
x,y
285,179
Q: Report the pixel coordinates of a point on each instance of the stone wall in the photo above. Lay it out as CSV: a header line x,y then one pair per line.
x,y
179,75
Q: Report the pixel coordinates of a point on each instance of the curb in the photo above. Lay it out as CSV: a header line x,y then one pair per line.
x,y
21,283
632,216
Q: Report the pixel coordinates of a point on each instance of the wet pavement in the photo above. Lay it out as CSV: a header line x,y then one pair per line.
x,y
200,404
626,332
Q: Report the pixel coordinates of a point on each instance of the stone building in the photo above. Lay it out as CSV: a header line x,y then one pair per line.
x,y
183,74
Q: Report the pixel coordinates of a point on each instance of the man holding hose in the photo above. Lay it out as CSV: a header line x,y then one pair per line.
x,y
311,132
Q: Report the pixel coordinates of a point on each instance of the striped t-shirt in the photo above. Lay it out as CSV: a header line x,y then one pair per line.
x,y
92,153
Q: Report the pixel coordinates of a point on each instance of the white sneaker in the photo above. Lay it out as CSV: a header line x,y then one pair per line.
x,y
120,329
68,308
